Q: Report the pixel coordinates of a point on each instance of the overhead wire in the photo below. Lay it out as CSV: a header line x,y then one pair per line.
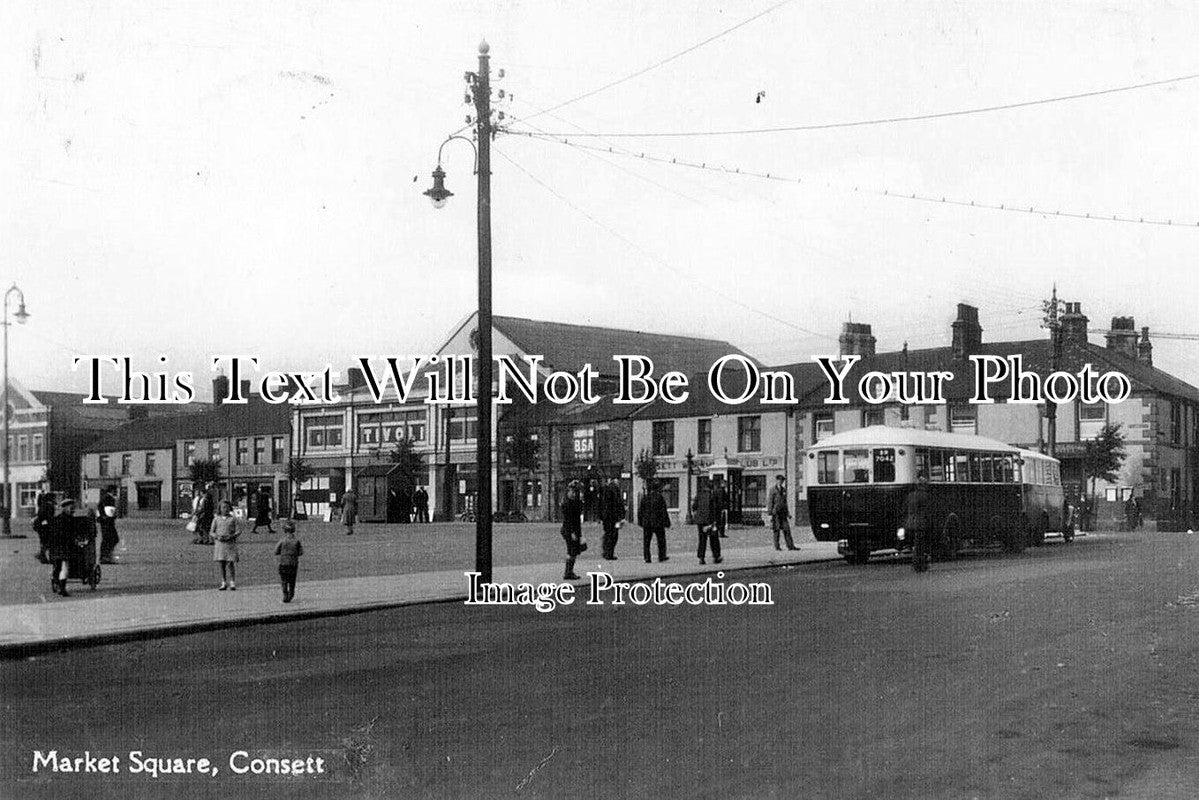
x,y
682,273
901,195
663,61
824,126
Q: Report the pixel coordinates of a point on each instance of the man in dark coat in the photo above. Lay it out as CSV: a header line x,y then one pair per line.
x,y
106,514
41,525
572,528
611,512
780,514
205,513
720,505
916,520
421,500
262,511
654,519
61,540
703,514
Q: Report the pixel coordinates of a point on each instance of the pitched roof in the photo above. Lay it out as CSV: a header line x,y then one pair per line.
x,y
252,418
1036,356
567,346
69,409
700,402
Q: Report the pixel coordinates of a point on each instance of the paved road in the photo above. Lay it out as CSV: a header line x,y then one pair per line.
x,y
157,555
1070,671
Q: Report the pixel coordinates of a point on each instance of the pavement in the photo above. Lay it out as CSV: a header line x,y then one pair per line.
x,y
31,628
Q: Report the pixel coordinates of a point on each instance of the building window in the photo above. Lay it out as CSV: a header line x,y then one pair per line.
x,y
822,427
22,448
189,453
126,463
39,452
323,431
243,447
464,428
277,448
532,492
259,449
583,444
1175,422
214,449
663,438
1092,412
753,492
670,491
704,437
103,466
963,418
150,463
749,434
873,416
27,494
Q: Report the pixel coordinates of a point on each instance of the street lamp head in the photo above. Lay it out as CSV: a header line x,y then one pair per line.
x,y
438,194
22,314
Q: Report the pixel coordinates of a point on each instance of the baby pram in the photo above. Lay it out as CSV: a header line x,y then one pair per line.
x,y
83,564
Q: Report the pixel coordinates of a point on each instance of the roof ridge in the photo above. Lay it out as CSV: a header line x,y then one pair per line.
x,y
499,317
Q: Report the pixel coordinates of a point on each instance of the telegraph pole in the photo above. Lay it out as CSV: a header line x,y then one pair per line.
x,y
1055,332
480,94
483,132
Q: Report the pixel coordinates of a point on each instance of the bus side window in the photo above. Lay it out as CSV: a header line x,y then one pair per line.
x,y
936,471
923,463
975,468
826,466
884,465
1009,472
988,475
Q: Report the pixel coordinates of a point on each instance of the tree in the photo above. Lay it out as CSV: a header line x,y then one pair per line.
x,y
298,473
521,449
410,468
646,466
1103,457
205,470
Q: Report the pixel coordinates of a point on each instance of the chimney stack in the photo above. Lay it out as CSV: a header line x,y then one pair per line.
x,y
220,389
967,333
1145,348
1123,336
856,339
1074,325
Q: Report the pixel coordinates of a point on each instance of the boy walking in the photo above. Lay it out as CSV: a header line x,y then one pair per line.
x,y
289,551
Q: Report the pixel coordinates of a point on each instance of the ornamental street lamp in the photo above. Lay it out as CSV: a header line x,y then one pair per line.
x,y
480,94
22,315
690,457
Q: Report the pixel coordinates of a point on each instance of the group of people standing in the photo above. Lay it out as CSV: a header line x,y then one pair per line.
x,y
611,511
709,514
59,535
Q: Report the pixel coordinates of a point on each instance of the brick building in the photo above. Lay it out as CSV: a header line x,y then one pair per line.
x,y
1160,421
341,439
146,463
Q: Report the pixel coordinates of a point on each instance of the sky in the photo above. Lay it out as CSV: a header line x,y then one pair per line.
x,y
190,179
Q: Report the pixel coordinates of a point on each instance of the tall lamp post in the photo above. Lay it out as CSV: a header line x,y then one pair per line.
x,y
480,94
690,457
22,315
